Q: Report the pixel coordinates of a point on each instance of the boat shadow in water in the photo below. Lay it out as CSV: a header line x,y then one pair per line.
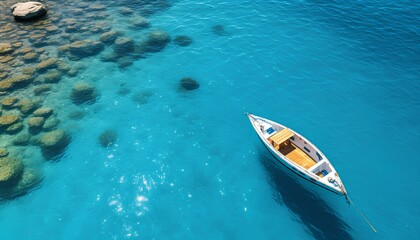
x,y
319,218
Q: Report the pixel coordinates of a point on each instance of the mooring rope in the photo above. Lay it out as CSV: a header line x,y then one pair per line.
x,y
360,212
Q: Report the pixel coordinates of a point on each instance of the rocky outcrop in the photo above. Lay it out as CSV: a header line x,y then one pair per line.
x,y
83,92
28,11
54,143
189,84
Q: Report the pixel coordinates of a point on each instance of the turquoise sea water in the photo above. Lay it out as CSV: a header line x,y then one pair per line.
x,y
187,165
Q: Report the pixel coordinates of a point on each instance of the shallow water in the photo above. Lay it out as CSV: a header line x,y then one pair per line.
x,y
188,165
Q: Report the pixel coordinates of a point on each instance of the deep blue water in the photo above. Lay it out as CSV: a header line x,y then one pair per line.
x,y
187,165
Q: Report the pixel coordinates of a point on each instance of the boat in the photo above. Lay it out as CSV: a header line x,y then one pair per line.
x,y
298,154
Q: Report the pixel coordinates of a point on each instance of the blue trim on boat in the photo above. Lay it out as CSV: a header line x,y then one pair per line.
x,y
270,130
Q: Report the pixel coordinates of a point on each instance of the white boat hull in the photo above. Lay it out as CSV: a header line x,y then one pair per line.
x,y
330,182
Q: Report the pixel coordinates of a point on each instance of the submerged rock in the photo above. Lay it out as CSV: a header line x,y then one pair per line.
x,y
8,120
30,57
83,92
11,170
124,45
125,62
47,64
52,76
140,22
96,7
85,48
5,48
76,115
24,50
42,89
3,75
52,29
30,178
14,128
110,57
219,29
189,84
22,80
3,152
27,105
35,124
109,37
43,112
9,102
73,72
142,97
125,10
21,139
54,143
64,67
5,59
6,28
107,138
51,123
123,91
182,41
6,85
29,70
28,11
156,41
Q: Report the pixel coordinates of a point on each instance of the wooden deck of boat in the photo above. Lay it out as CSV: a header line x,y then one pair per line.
x,y
292,152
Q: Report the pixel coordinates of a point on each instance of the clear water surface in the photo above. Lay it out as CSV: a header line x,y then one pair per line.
x,y
187,165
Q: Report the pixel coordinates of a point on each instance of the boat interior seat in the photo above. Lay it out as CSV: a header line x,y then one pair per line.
x,y
279,138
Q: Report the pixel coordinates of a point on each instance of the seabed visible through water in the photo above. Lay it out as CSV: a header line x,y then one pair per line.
x,y
124,119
